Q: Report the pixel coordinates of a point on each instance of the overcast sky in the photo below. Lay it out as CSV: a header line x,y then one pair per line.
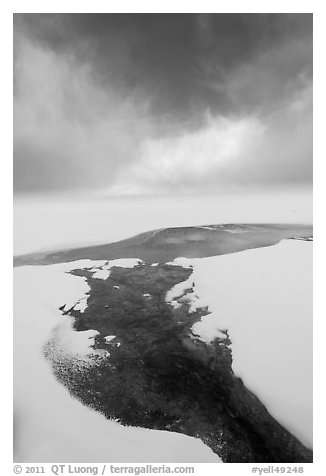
x,y
161,103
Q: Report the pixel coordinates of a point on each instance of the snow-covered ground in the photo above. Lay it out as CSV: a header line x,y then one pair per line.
x,y
263,297
50,425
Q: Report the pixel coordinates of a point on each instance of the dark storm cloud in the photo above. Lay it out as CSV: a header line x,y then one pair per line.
x,y
94,93
176,57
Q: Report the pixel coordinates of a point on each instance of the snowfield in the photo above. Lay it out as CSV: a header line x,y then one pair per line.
x,y
50,425
263,297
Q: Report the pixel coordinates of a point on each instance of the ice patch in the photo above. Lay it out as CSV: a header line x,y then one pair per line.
x,y
109,338
126,262
183,293
102,273
81,305
207,329
174,294
180,261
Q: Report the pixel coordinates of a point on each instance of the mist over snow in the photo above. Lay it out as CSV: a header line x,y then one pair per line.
x,y
44,222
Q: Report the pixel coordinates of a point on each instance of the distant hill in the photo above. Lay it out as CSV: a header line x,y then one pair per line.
x,y
168,243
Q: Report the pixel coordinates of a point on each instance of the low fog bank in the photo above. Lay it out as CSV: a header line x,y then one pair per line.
x,y
47,222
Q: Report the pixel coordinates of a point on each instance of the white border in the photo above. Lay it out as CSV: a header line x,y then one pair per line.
x,y
317,7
